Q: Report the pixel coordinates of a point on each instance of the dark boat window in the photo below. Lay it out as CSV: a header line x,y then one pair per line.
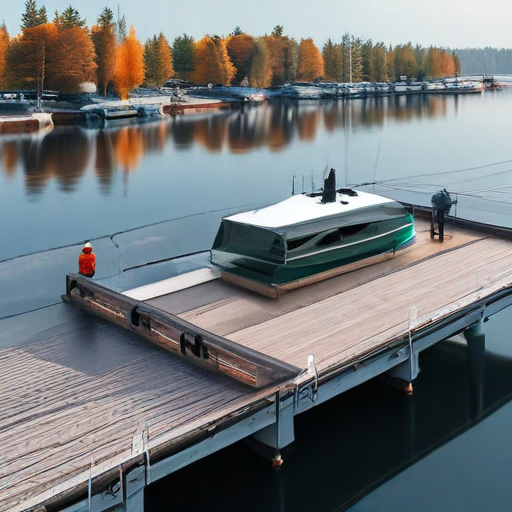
x,y
340,234
352,230
330,238
294,244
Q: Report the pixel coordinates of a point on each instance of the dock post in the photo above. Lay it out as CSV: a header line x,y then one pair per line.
x,y
281,433
405,372
476,364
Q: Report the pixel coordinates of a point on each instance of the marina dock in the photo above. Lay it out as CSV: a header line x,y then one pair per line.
x,y
236,363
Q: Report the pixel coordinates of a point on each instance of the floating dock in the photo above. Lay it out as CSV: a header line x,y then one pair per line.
x,y
25,123
236,364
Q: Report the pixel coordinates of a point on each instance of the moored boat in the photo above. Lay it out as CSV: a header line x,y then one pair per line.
x,y
310,234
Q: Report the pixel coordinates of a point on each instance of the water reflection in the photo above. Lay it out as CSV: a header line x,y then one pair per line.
x,y
64,153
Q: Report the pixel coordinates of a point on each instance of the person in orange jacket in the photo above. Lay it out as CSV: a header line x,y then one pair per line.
x,y
87,261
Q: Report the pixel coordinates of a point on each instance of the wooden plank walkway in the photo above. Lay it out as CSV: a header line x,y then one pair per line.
x,y
342,318
79,392
82,391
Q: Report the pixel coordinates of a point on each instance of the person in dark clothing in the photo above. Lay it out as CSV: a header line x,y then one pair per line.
x,y
441,205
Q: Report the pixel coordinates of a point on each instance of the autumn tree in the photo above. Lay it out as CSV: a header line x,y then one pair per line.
x,y
4,46
390,63
69,18
31,56
212,62
260,72
103,36
240,49
405,61
129,67
74,61
157,61
311,65
447,64
33,17
332,61
183,48
275,44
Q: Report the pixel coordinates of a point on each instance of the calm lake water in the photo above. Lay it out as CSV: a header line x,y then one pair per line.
x,y
147,193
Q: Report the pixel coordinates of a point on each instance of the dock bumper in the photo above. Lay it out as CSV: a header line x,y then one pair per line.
x,y
177,335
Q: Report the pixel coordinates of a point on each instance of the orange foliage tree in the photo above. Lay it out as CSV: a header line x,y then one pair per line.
x,y
4,45
129,67
283,53
103,36
240,50
212,62
447,64
29,57
311,63
275,45
73,60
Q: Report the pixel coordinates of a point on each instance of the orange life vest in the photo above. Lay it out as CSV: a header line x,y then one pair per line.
x,y
87,262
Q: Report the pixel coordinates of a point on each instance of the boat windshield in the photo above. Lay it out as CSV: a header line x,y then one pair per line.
x,y
250,241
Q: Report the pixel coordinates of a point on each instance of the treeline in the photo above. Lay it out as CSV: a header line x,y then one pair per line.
x,y
64,54
485,61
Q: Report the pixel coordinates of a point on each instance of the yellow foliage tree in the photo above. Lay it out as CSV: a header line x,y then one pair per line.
x,y
311,62
212,62
129,67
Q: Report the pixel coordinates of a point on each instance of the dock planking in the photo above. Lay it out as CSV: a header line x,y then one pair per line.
x,y
66,418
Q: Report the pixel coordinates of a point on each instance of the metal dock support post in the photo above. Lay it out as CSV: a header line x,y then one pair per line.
x,y
280,433
476,364
408,370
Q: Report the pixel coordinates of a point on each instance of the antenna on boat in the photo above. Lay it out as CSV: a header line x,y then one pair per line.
x,y
303,183
312,182
293,185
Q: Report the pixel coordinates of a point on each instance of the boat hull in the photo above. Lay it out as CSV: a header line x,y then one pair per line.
x,y
378,238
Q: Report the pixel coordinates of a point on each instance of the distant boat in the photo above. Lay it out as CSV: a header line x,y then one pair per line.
x,y
309,234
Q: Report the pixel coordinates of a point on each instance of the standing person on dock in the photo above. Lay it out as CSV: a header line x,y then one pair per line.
x,y
441,204
87,261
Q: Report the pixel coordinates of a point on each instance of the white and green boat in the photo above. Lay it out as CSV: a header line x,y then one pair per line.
x,y
309,234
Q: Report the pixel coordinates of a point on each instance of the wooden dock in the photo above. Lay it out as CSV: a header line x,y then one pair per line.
x,y
237,364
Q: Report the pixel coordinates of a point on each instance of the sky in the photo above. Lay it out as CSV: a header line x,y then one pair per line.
x,y
441,23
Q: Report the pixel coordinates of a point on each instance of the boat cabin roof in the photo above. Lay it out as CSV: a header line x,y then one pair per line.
x,y
301,209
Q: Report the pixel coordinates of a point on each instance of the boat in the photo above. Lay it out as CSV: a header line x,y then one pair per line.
x,y
309,235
